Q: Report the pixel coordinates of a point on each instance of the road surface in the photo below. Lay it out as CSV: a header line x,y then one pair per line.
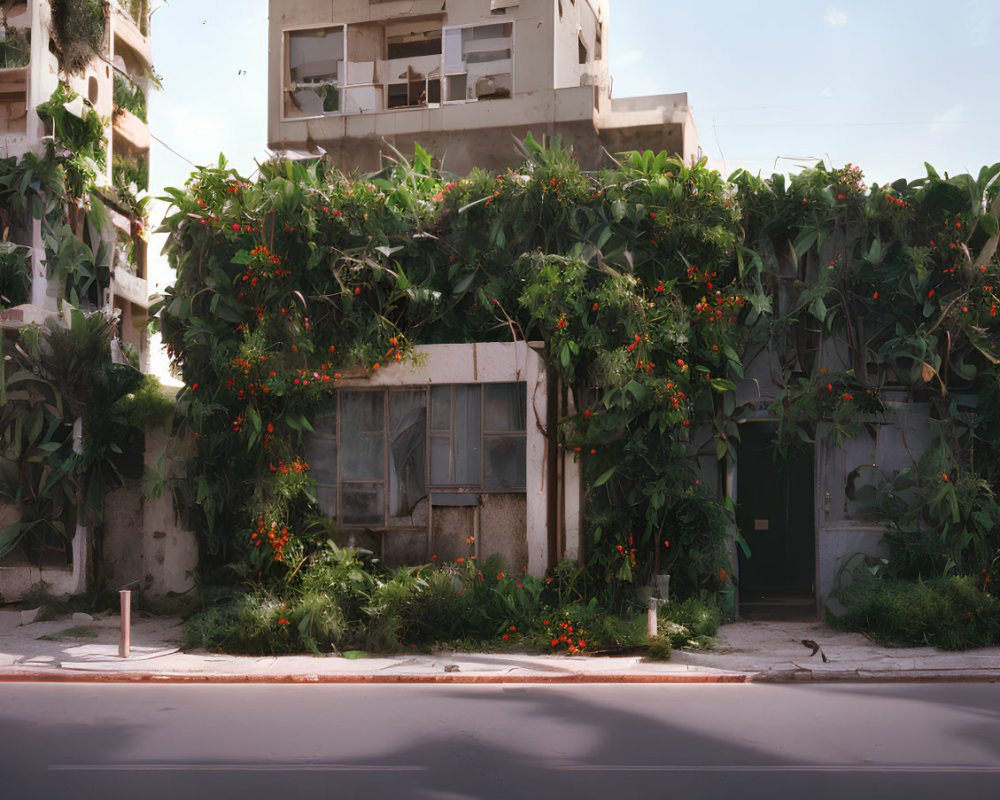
x,y
285,742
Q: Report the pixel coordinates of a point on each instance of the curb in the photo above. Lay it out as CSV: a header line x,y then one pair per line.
x,y
876,676
36,676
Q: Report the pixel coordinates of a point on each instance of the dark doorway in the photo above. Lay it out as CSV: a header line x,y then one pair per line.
x,y
775,514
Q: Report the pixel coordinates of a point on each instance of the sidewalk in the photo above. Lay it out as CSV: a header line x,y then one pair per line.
x,y
746,651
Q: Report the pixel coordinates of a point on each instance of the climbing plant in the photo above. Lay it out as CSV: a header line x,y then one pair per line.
x,y
652,285
78,31
628,276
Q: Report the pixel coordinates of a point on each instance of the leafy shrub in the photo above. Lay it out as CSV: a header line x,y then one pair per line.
x,y
949,613
701,617
659,650
15,275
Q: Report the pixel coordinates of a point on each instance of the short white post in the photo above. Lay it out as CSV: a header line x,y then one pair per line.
x,y
652,630
125,645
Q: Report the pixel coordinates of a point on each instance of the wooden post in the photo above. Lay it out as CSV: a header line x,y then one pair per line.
x,y
125,645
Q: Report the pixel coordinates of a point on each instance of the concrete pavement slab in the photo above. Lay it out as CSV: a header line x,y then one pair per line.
x,y
746,651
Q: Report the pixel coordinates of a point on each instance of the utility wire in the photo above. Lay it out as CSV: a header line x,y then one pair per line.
x,y
185,158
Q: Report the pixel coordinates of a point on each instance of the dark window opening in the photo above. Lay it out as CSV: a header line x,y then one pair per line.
x,y
581,50
415,46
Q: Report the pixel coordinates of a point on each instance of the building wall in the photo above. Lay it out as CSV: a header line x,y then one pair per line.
x,y
551,94
125,49
145,544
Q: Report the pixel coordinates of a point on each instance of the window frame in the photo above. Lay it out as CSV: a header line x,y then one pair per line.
x,y
450,493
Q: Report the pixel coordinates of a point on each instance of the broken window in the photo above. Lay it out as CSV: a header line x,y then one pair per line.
x,y
371,455
314,71
414,65
478,62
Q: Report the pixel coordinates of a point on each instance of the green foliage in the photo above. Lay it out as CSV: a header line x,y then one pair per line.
x,y
15,48
341,599
139,11
941,518
952,613
130,178
15,274
78,30
699,616
308,273
79,142
650,285
147,406
56,376
129,96
659,649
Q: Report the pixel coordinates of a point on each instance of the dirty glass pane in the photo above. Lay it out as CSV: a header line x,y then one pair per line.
x,y
407,453
326,499
441,408
362,435
505,406
466,439
441,459
321,448
363,503
505,463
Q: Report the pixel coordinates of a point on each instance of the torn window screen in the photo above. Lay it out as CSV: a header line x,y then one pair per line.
x,y
407,453
475,434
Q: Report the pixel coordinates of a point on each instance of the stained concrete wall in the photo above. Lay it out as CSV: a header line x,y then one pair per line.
x,y
144,541
842,532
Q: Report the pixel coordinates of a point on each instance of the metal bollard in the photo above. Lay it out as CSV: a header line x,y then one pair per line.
x,y
125,645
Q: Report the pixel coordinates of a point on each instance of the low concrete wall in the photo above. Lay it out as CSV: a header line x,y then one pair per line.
x,y
836,545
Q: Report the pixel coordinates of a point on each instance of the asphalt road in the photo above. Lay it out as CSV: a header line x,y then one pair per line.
x,y
812,741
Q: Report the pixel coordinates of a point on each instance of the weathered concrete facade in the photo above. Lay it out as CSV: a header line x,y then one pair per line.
x,y
146,546
462,78
819,546
126,51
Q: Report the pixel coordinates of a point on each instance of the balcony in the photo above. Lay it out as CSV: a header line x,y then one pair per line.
x,y
132,129
128,34
129,287
13,100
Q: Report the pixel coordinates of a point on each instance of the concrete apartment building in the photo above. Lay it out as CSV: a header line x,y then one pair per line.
x,y
355,78
29,74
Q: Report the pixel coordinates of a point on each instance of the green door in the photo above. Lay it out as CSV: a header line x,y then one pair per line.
x,y
775,514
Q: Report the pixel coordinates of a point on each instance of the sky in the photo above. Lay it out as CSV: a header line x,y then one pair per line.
x,y
775,85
